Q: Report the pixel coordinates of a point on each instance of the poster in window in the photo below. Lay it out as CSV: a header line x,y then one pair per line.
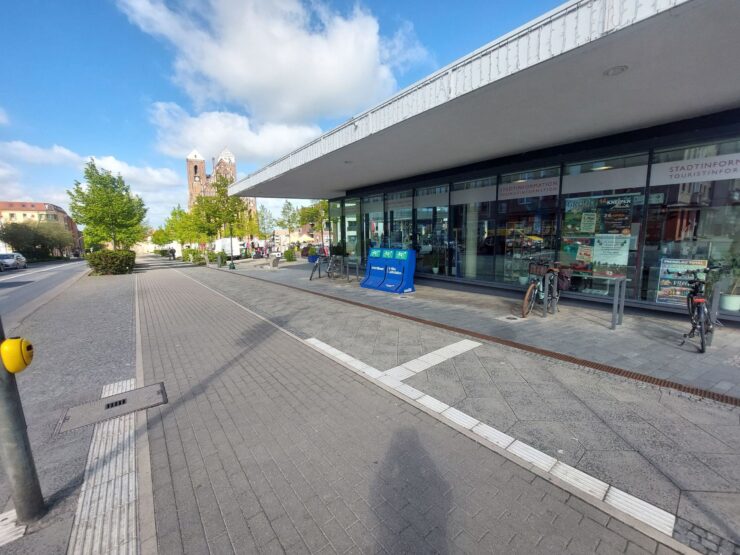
x,y
588,222
672,289
611,250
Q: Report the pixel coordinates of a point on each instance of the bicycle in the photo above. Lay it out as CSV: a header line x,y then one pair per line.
x,y
333,267
545,274
696,303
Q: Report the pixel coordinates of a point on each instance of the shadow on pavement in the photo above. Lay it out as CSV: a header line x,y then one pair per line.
x,y
407,471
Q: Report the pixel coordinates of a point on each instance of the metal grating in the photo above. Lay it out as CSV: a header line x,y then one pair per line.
x,y
112,407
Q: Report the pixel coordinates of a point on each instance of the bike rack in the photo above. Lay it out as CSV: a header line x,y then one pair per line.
x,y
620,292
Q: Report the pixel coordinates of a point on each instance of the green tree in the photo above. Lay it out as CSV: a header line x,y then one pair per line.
x,y
37,240
214,214
160,237
288,217
265,221
20,236
316,214
53,237
181,227
248,225
107,209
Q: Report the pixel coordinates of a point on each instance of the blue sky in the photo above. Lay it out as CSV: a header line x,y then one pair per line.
x,y
137,84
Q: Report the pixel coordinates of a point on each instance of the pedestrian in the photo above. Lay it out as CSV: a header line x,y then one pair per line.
x,y
172,253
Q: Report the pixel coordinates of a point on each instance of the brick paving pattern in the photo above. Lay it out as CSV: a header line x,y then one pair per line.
x,y
268,446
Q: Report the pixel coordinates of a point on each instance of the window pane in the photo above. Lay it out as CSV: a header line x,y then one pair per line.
x,y
400,229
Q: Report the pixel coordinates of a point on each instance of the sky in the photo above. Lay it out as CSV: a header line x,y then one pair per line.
x,y
136,85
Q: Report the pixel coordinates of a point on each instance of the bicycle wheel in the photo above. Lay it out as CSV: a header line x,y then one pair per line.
x,y
701,317
529,298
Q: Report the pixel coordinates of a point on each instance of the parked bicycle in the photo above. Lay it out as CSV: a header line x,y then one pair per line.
x,y
544,275
696,303
333,266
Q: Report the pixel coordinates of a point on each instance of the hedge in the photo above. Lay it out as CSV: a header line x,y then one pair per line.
x,y
289,255
111,262
196,254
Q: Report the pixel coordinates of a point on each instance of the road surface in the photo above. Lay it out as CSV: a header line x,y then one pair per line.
x,y
22,291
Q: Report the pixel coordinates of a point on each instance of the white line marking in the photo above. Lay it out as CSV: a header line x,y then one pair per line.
x,y
60,266
493,435
409,391
530,454
10,530
641,510
105,520
408,369
460,418
580,479
433,404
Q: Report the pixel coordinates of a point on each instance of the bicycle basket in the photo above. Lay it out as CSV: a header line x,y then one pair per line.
x,y
537,269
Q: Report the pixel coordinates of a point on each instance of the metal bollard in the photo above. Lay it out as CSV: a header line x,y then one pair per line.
x,y
15,449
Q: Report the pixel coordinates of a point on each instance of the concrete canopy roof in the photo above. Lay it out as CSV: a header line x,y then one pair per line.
x,y
585,70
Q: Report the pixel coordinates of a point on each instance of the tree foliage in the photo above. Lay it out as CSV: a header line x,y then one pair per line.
x,y
213,214
107,209
37,239
315,213
181,226
265,221
288,217
161,237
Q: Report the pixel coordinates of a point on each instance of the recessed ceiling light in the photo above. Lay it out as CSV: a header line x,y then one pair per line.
x,y
600,168
616,70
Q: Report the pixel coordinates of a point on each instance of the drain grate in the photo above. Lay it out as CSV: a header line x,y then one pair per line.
x,y
115,404
112,407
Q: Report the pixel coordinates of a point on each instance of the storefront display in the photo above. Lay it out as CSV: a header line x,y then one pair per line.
x,y
604,219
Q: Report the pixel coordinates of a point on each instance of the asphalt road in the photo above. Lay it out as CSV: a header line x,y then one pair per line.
x,y
23,290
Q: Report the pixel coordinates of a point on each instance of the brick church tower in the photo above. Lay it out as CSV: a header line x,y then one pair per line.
x,y
201,184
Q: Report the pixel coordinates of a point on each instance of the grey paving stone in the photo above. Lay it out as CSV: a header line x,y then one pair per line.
x,y
360,445
630,471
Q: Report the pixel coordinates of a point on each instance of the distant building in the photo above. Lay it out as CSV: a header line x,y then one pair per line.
x,y
27,211
201,183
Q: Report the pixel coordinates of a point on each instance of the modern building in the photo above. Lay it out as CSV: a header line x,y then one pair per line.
x,y
604,134
201,183
27,211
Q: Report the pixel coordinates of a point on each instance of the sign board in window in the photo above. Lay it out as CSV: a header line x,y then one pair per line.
x,y
672,289
533,188
713,168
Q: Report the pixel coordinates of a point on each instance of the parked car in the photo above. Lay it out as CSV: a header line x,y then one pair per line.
x,y
13,260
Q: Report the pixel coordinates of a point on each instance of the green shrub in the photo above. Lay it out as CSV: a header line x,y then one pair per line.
x,y
163,252
312,251
107,262
197,255
289,255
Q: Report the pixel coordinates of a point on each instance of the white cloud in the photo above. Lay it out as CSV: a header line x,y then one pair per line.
x,y
10,184
161,188
4,117
283,60
142,178
210,132
24,152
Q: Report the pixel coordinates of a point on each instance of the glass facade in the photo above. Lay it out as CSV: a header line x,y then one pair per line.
x,y
637,215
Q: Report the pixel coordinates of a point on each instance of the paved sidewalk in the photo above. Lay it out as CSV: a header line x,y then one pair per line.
x,y
677,452
268,446
83,339
647,343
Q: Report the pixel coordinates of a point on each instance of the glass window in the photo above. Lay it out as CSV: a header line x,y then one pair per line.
x,y
335,226
694,216
431,206
473,225
526,222
373,225
603,204
352,226
400,227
